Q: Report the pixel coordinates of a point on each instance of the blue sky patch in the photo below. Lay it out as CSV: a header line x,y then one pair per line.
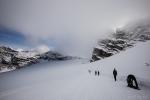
x,y
8,36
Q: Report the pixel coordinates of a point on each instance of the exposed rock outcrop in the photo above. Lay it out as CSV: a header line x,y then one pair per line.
x,y
121,39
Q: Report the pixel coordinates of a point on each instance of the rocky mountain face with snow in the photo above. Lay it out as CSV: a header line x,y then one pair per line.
x,y
52,55
6,55
122,39
12,59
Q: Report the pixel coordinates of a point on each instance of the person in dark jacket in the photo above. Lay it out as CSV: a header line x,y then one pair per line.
x,y
98,73
89,71
115,74
95,72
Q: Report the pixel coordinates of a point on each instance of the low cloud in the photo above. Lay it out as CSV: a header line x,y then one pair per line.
x,y
43,48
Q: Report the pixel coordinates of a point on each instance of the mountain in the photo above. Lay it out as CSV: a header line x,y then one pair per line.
x,y
52,55
12,59
122,39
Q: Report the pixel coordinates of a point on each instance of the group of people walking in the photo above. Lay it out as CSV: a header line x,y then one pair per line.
x,y
131,80
97,73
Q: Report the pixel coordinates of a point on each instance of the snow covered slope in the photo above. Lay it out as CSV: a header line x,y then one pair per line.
x,y
70,80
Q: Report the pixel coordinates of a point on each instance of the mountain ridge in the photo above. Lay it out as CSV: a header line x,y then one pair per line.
x,y
121,39
12,59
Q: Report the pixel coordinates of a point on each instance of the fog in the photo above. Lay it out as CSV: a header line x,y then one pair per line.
x,y
70,26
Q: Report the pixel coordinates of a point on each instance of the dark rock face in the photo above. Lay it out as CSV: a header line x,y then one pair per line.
x,y
120,40
52,56
21,62
99,53
6,54
94,58
114,45
108,48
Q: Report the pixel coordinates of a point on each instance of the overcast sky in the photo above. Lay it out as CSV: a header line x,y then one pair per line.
x,y
70,26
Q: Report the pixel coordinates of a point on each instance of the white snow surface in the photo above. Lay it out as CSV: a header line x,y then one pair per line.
x,y
70,80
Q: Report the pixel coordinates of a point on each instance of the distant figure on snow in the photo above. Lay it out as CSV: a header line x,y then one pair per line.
x,y
131,81
98,73
89,71
95,73
115,74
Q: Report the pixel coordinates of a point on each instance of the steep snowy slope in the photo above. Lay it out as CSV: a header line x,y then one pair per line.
x,y
70,80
